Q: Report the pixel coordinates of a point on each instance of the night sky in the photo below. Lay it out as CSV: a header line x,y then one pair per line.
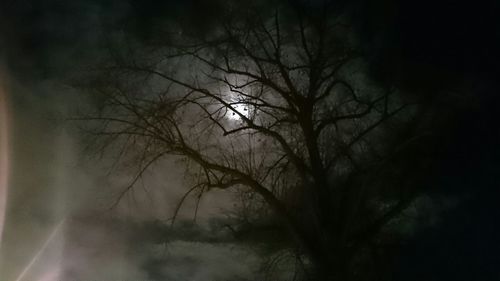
x,y
442,54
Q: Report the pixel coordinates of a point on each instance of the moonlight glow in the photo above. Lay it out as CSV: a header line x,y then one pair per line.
x,y
239,107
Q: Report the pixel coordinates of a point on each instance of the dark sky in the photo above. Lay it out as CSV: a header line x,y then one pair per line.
x,y
447,52
448,41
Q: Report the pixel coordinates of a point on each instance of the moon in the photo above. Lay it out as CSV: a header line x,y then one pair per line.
x,y
238,107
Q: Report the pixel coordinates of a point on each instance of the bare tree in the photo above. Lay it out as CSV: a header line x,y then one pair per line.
x,y
275,104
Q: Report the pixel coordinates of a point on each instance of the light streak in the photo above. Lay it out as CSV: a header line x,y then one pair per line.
x,y
42,249
4,153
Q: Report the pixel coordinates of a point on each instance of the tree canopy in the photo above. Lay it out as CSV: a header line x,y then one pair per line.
x,y
276,103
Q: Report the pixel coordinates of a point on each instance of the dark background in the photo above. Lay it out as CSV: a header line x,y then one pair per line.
x,y
447,52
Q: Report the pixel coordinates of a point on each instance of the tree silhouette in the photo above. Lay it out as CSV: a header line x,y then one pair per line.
x,y
274,103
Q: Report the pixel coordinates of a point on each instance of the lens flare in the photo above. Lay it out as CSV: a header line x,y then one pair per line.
x,y
4,153
41,251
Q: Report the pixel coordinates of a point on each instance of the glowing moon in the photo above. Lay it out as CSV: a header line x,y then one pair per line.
x,y
242,109
239,107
